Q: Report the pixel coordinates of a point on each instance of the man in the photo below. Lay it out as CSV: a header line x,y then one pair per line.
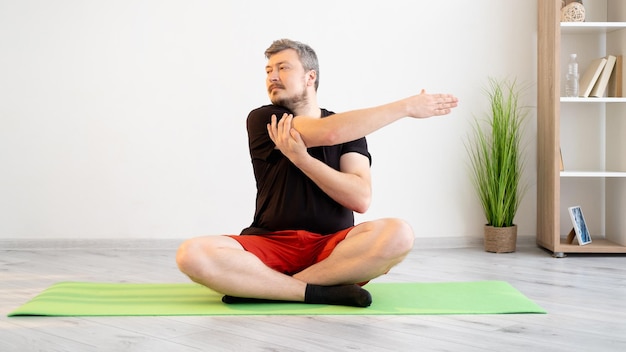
x,y
312,172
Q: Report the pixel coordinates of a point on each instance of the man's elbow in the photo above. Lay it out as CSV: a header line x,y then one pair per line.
x,y
331,137
362,205
322,138
316,133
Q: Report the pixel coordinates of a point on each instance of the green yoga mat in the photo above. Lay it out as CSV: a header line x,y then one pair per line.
x,y
116,299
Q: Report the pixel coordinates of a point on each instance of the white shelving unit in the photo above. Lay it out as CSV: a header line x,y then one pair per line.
x,y
590,27
601,174
588,133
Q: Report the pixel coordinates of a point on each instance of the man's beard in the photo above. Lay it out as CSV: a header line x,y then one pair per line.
x,y
292,102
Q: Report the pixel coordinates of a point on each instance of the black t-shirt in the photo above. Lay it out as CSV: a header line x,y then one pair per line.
x,y
286,198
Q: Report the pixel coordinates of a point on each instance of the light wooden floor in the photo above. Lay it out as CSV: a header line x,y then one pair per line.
x,y
585,296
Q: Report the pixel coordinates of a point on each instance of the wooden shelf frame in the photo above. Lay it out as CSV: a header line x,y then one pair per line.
x,y
549,101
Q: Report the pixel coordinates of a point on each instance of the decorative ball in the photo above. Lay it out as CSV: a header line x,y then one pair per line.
x,y
573,12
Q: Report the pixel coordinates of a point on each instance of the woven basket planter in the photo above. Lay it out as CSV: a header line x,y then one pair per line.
x,y
500,239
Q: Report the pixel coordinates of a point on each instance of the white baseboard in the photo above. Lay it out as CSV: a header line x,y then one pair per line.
x,y
464,242
172,244
105,243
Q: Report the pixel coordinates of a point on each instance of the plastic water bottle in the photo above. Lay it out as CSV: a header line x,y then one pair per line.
x,y
571,77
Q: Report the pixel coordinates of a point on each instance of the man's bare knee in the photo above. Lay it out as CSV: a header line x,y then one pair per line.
x,y
195,256
399,237
188,255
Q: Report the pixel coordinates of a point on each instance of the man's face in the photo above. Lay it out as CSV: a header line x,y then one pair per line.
x,y
286,80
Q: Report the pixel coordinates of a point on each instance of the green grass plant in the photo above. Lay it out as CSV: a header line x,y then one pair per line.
x,y
496,155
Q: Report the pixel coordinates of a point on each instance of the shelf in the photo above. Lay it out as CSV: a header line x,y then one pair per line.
x,y
591,27
563,120
599,245
592,174
593,100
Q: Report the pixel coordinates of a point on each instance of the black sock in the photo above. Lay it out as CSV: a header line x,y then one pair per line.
x,y
343,295
232,299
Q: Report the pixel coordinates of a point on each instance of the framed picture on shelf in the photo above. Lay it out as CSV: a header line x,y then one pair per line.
x,y
580,226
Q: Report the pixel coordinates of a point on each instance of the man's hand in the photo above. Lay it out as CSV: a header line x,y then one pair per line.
x,y
426,105
286,138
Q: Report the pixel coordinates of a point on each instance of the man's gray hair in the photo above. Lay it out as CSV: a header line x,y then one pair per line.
x,y
307,55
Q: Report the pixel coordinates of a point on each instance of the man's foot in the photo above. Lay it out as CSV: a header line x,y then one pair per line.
x,y
232,299
342,295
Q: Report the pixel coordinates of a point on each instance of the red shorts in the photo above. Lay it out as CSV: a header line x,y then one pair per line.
x,y
291,251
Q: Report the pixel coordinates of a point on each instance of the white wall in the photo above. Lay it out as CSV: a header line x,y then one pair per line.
x,y
126,119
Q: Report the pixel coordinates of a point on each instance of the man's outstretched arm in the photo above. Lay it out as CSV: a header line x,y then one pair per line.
x,y
351,125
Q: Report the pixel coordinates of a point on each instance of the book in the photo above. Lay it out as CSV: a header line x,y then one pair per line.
x,y
616,82
600,87
589,78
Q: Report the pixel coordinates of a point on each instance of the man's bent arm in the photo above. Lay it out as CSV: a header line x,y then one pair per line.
x,y
349,186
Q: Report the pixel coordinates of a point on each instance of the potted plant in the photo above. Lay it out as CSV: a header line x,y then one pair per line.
x,y
497,163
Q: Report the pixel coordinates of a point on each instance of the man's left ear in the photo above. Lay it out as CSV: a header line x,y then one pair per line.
x,y
311,77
